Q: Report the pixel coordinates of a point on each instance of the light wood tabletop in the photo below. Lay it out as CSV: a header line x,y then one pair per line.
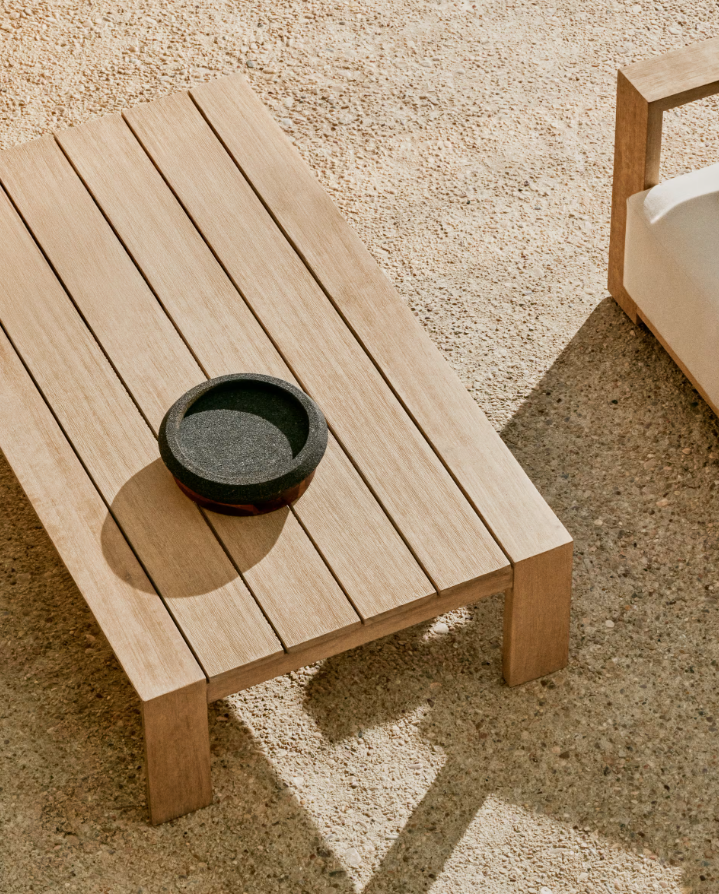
x,y
186,239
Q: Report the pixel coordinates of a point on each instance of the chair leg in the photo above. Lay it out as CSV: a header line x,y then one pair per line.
x,y
627,303
177,752
536,616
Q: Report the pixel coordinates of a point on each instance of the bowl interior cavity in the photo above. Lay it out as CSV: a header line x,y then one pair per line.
x,y
244,430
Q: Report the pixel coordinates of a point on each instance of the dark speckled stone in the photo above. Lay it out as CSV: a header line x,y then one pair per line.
x,y
243,439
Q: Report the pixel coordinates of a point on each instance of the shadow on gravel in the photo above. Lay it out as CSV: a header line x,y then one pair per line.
x,y
72,795
624,741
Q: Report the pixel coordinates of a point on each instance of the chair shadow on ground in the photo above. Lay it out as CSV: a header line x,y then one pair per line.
x,y
637,737
611,429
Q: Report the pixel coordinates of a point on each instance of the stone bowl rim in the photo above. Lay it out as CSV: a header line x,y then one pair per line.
x,y
231,490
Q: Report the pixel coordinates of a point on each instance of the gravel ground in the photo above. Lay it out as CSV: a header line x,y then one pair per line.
x,y
470,145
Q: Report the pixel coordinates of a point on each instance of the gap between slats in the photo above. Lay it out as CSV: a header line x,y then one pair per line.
x,y
347,323
144,417
76,164
194,354
204,514
90,477
525,494
188,211
292,369
321,609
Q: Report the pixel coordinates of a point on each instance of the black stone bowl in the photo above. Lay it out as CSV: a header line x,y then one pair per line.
x,y
243,444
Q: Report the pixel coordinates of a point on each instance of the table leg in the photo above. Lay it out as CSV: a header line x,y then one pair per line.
x,y
536,616
177,752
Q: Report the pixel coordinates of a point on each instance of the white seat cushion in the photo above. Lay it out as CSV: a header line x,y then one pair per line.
x,y
671,269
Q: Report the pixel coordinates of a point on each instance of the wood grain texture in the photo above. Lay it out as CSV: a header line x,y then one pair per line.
x,y
185,562
677,77
343,519
536,616
454,425
360,543
130,614
440,527
177,753
96,271
284,571
104,352
637,148
294,586
421,610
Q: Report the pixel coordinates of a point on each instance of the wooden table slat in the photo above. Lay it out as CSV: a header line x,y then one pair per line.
x,y
131,615
285,572
346,523
182,556
101,279
443,531
452,422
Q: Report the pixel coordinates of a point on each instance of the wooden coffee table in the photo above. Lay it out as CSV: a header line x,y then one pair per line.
x,y
187,239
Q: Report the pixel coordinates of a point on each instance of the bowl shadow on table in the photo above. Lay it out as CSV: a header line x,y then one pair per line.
x,y
583,435
74,771
151,494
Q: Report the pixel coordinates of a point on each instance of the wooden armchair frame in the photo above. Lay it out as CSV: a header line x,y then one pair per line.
x,y
645,90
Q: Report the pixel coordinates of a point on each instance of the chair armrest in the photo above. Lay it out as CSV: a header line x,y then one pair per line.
x,y
676,78
644,91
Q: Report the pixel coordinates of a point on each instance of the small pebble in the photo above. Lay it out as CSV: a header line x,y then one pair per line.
x,y
352,858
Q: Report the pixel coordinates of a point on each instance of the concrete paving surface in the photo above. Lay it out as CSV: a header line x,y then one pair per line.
x,y
470,145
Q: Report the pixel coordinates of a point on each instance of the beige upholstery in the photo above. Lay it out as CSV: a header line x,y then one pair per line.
x,y
671,269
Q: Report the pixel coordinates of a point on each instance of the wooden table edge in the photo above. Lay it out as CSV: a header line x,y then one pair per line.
x,y
177,766
393,622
